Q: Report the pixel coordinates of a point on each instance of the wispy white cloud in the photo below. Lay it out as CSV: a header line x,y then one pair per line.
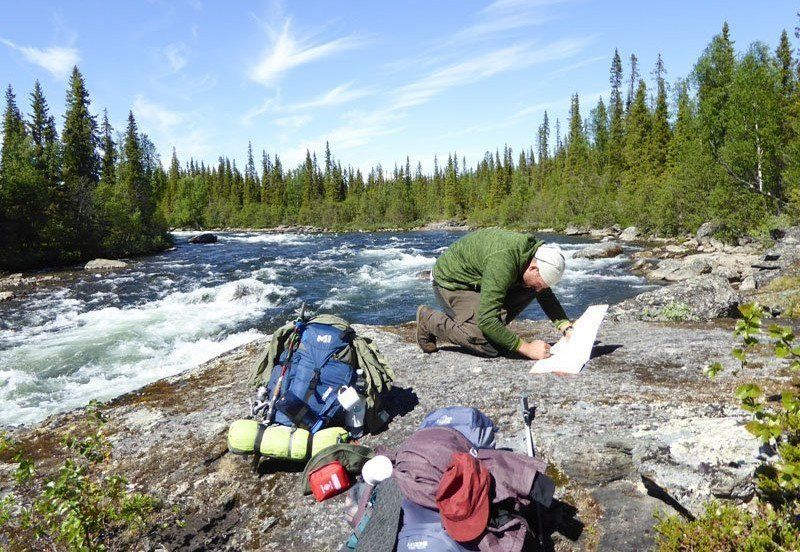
x,y
499,6
176,55
56,60
293,122
577,65
357,129
264,107
339,95
172,128
560,105
501,24
156,115
515,57
587,101
287,51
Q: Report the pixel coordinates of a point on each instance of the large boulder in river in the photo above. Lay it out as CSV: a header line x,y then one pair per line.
x,y
631,233
105,264
6,295
702,298
599,251
207,237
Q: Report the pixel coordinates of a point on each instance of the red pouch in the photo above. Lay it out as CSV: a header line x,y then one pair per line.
x,y
329,480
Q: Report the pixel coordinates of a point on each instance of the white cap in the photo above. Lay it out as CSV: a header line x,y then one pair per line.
x,y
550,262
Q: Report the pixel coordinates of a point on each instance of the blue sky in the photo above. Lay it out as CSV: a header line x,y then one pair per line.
x,y
379,80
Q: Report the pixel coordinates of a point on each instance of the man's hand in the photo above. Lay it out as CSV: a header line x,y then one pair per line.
x,y
535,350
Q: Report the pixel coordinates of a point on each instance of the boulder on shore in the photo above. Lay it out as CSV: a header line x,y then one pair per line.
x,y
105,264
599,251
631,233
702,298
207,237
673,270
576,231
706,230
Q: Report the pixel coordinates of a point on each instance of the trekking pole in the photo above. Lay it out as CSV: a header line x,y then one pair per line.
x,y
293,342
528,414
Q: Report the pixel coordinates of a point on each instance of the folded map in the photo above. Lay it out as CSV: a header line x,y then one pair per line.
x,y
570,355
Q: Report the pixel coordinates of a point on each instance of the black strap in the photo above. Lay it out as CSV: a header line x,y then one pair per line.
x,y
259,437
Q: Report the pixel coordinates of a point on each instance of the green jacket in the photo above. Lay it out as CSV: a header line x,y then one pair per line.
x,y
490,261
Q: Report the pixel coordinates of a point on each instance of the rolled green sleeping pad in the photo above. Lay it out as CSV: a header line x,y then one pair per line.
x,y
275,441
326,437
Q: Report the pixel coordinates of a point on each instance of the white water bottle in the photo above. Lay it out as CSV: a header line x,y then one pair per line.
x,y
355,409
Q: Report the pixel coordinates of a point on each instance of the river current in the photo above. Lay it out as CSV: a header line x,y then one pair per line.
x,y
96,336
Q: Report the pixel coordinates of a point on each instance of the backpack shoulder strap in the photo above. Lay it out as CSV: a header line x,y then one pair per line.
x,y
263,368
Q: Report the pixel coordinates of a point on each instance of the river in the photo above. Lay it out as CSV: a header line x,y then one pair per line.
x,y
99,335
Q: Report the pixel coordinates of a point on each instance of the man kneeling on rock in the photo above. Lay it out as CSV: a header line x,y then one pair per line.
x,y
485,280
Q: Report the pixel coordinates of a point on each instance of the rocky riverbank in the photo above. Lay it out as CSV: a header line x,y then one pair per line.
x,y
640,430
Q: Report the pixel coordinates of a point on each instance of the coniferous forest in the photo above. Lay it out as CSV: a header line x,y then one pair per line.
x,y
722,144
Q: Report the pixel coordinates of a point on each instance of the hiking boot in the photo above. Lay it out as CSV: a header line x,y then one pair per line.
x,y
425,339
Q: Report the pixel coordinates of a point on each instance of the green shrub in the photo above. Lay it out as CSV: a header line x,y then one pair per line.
x,y
774,521
726,527
676,311
78,508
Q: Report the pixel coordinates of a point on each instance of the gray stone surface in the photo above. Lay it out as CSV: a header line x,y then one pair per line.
x,y
576,231
640,414
599,251
104,264
706,230
701,298
206,237
631,233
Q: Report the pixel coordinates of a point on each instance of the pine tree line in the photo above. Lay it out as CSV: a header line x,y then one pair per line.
x,y
723,144
77,196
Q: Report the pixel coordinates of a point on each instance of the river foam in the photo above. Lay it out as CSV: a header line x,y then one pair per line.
x,y
104,352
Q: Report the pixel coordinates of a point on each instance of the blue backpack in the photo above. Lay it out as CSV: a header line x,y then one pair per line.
x,y
422,531
318,367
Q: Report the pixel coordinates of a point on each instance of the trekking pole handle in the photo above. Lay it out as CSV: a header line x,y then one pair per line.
x,y
526,410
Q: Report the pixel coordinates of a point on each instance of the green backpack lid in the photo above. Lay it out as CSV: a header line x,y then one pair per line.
x,y
351,456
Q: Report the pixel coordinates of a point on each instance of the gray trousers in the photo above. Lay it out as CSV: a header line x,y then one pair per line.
x,y
458,324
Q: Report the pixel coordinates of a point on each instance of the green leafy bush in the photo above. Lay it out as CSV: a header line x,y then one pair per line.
x,y
676,311
773,523
77,508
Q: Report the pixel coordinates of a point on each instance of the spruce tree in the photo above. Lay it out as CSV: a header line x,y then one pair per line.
x,y
616,123
599,127
45,138
23,194
714,73
578,152
661,130
80,169
108,164
543,140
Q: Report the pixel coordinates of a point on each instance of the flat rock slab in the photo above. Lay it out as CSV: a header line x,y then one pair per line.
x,y
640,429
